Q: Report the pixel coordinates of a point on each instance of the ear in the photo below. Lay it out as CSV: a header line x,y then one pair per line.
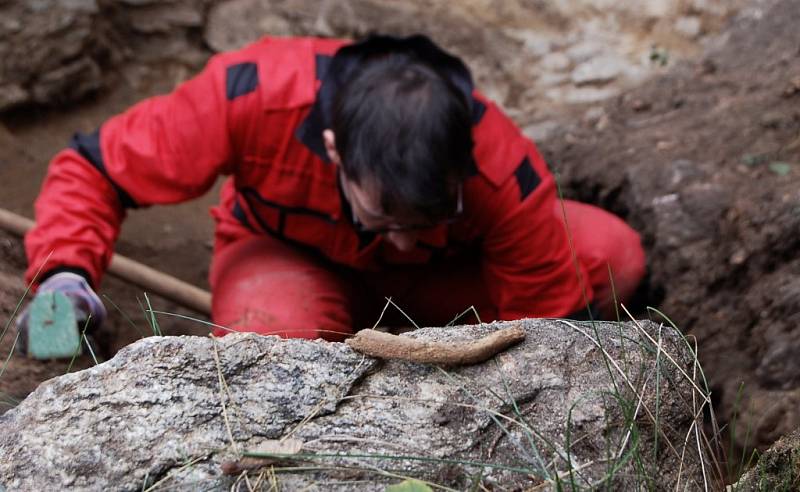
x,y
330,146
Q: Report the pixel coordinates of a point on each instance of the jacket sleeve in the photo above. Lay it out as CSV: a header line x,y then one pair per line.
x,y
527,256
165,149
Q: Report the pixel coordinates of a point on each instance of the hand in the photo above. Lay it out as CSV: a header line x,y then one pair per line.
x,y
89,310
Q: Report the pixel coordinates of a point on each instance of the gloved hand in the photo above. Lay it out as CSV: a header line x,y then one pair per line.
x,y
89,310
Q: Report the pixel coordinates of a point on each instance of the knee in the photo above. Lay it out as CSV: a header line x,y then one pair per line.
x,y
273,289
629,264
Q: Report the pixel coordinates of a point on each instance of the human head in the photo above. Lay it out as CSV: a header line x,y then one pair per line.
x,y
401,130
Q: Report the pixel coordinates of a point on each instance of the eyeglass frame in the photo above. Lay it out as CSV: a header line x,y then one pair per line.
x,y
413,227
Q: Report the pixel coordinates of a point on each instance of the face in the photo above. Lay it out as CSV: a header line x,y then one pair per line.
x,y
368,215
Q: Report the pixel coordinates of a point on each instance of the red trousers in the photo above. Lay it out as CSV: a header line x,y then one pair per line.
x,y
261,284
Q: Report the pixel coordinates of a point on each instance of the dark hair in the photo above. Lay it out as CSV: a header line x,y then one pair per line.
x,y
406,128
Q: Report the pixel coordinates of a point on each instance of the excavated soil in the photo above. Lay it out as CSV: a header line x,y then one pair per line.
x,y
704,160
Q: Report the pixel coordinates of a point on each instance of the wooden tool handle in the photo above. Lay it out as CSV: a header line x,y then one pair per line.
x,y
147,278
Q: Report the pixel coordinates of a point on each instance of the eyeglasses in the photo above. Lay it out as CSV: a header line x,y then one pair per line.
x,y
410,227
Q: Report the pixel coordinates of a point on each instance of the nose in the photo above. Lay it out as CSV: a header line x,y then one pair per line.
x,y
402,240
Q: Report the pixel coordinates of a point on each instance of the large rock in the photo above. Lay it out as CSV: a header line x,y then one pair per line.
x,y
56,51
570,404
49,51
777,469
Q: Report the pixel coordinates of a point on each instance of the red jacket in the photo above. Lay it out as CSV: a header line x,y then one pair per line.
x,y
257,115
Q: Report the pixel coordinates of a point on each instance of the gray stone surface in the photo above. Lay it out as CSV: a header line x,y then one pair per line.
x,y
41,39
541,131
778,468
54,51
125,422
690,26
59,51
581,95
518,50
453,25
163,411
555,62
582,51
599,70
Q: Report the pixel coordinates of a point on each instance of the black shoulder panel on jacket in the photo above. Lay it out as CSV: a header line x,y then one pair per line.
x,y
323,63
240,79
478,109
527,178
88,146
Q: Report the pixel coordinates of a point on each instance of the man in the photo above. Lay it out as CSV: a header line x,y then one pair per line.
x,y
356,171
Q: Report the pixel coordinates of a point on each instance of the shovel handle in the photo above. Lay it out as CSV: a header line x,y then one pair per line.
x,y
131,271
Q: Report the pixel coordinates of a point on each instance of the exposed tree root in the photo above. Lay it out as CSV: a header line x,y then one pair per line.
x,y
387,346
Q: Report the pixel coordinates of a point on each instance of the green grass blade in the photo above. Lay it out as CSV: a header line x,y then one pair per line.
x,y
125,316
390,301
527,429
153,321
390,457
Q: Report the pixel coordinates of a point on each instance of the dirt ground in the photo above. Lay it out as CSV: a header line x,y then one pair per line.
x,y
175,240
704,161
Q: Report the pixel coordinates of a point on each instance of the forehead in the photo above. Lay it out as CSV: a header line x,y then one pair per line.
x,y
367,197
